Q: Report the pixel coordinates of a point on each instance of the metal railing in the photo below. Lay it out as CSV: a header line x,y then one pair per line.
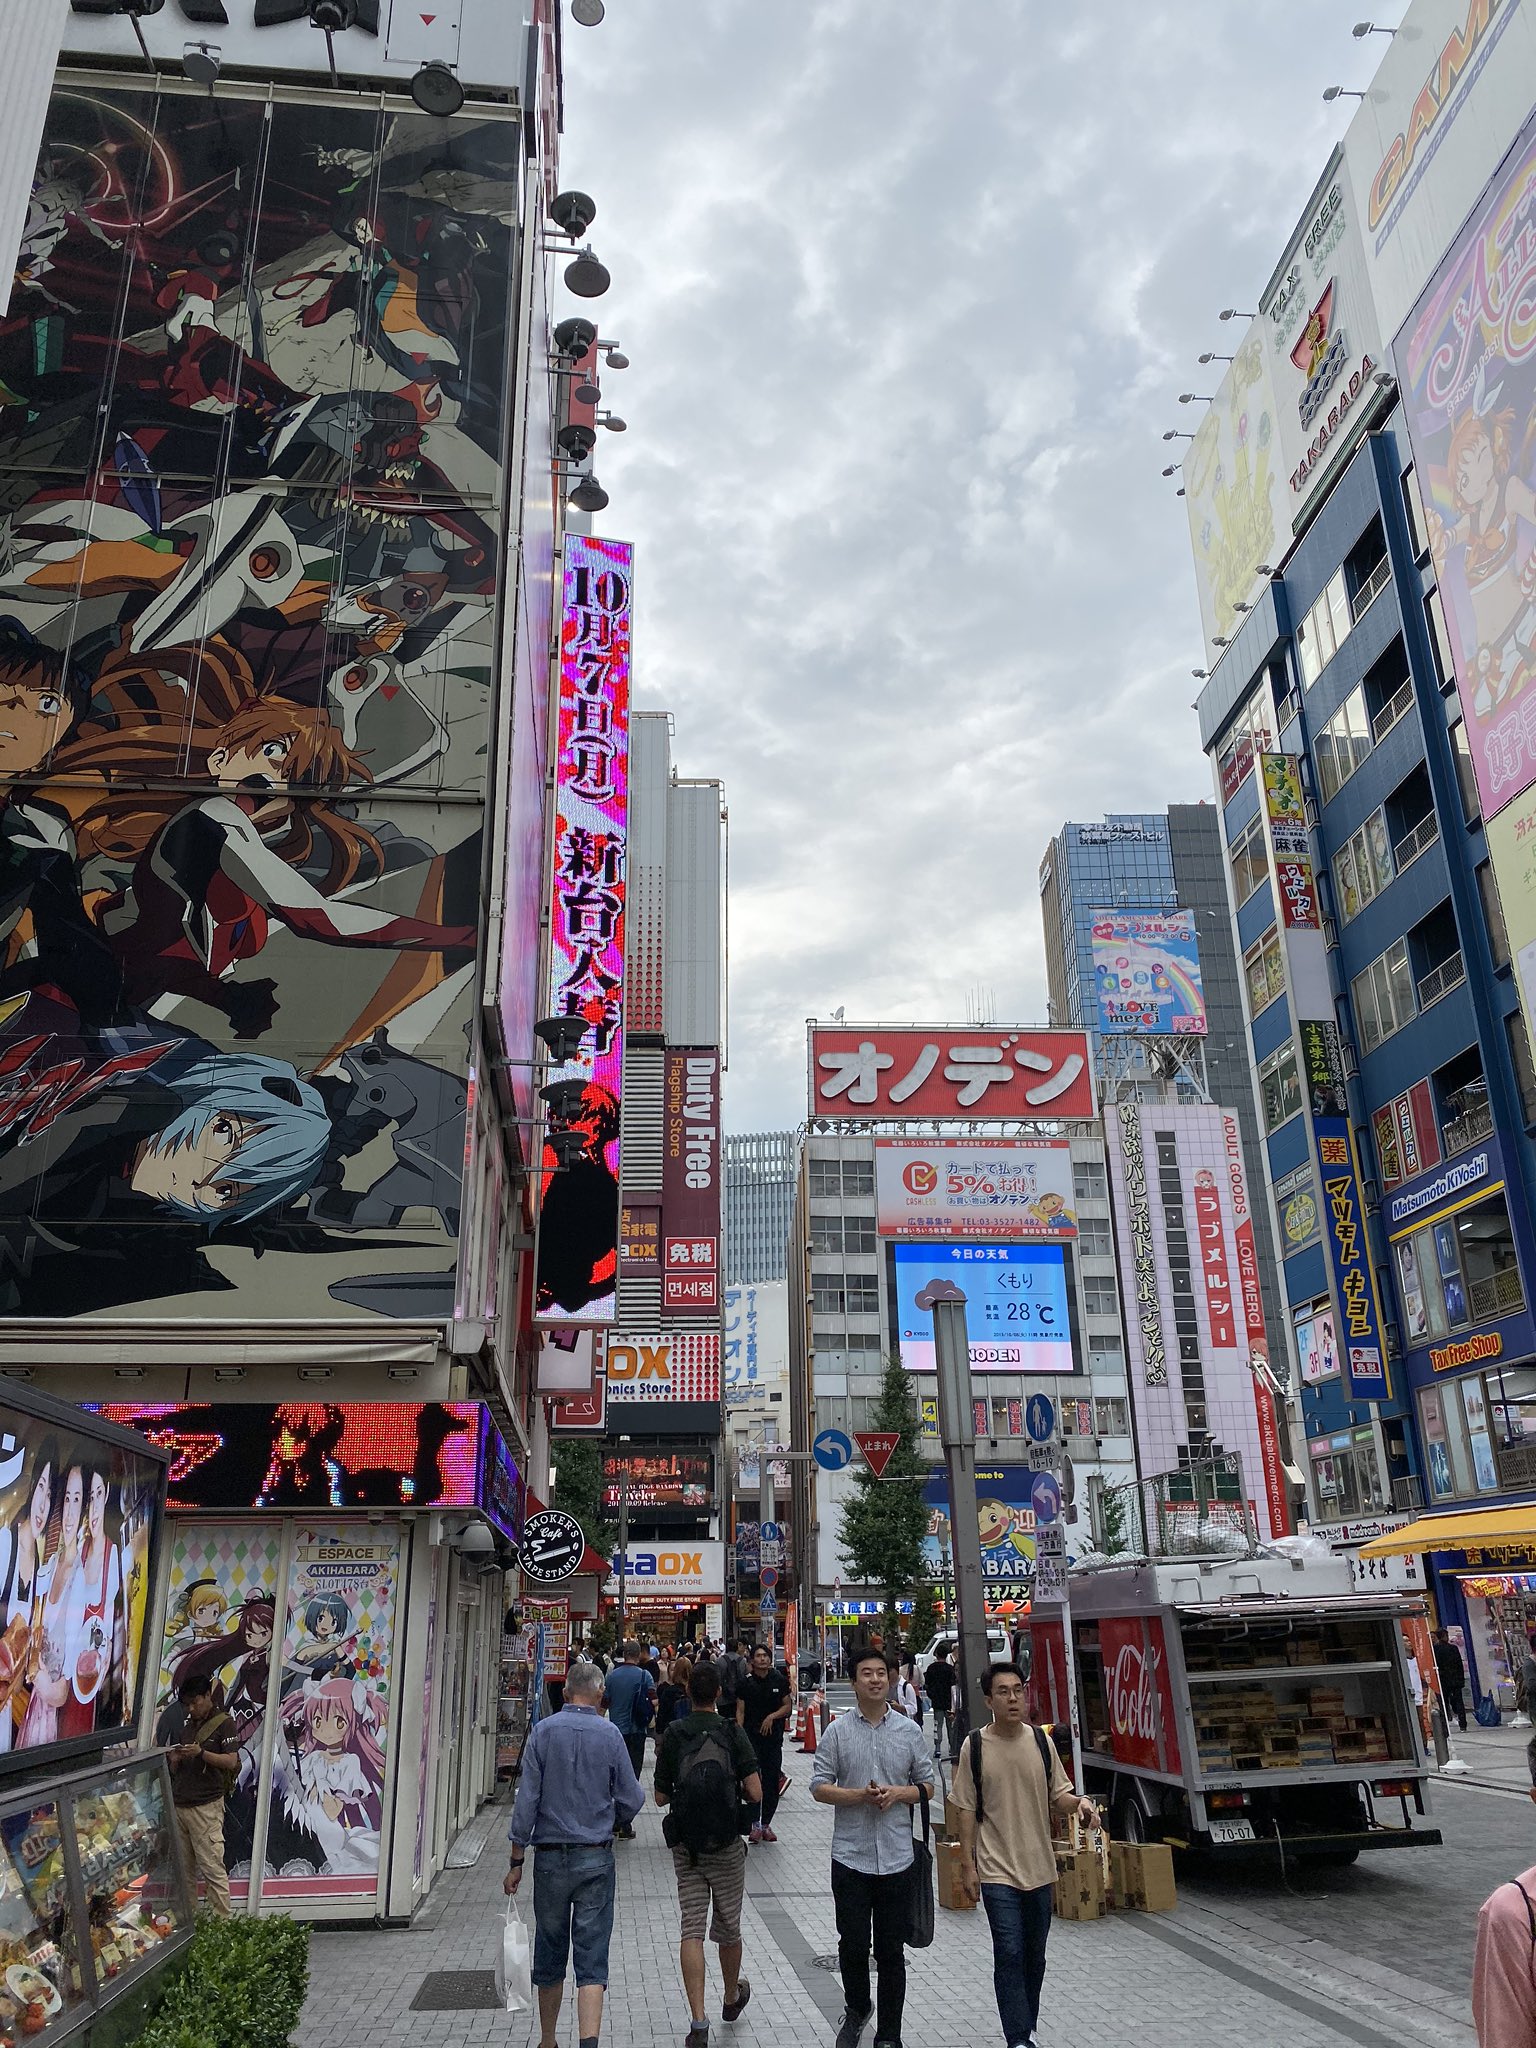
x,y
1499,1295
1396,707
1370,589
1407,1493
1451,973
1405,851
1468,1129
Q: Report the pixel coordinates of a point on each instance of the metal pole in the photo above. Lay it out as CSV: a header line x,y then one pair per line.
x,y
957,1432
623,1545
765,1514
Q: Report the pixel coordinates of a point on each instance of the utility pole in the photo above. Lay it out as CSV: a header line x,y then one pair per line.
x,y
766,1513
623,1544
957,1433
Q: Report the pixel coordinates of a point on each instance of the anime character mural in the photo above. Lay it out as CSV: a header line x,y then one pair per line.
x,y
251,426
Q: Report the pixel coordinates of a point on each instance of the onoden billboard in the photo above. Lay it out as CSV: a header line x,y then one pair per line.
x,y
1466,364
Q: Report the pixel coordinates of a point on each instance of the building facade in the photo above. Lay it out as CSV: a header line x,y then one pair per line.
x,y
759,1203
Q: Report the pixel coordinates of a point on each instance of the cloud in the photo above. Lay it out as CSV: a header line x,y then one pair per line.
x,y
909,293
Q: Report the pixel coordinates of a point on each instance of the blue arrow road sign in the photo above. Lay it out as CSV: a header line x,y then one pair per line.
x,y
1045,1498
832,1450
1040,1418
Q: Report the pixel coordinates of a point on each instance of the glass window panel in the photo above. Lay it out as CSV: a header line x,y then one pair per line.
x,y
1400,976
1380,849
1339,613
1512,1408
858,1177
1474,1403
1351,902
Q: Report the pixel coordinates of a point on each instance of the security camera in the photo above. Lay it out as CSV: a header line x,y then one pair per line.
x,y
574,337
573,213
562,1037
576,441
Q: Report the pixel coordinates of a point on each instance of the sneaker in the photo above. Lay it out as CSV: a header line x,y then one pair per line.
x,y
735,2007
769,1835
853,2026
697,2036
757,1833
624,1834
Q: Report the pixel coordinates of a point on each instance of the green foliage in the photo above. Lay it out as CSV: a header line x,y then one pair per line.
x,y
1113,1531
578,1488
923,1623
602,1634
885,1520
241,1984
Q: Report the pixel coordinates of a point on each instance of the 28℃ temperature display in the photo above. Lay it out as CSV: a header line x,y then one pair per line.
x,y
1015,1304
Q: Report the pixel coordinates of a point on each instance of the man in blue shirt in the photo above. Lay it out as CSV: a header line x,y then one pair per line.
x,y
630,1699
577,1789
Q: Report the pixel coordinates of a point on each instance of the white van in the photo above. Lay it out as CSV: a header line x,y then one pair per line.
x,y
948,1640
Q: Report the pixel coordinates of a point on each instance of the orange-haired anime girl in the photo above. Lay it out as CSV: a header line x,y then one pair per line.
x,y
1494,498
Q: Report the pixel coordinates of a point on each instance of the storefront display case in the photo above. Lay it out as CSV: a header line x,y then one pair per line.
x,y
93,1895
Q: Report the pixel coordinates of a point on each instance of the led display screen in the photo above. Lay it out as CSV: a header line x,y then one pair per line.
x,y
663,1479
80,1515
1017,1314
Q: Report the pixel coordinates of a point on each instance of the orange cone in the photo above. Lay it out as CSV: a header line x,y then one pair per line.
x,y
812,1716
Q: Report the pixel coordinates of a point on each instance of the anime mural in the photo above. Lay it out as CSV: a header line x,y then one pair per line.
x,y
220,1624
327,1806
251,418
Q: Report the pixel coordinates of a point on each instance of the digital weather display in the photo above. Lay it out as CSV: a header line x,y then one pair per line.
x,y
1016,1310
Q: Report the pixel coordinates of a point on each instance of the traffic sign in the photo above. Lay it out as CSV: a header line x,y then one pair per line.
x,y
767,1605
769,1577
878,1446
769,1532
1043,1457
1050,1540
832,1450
552,1547
1040,1418
1045,1499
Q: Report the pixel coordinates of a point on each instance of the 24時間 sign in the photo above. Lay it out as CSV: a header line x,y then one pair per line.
x,y
949,1070
579,1216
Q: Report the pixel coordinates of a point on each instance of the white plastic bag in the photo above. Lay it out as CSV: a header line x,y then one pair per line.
x,y
514,1964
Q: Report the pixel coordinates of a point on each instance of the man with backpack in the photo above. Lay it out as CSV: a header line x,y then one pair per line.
x,y
939,1684
706,1772
1008,1782
872,1767
205,1755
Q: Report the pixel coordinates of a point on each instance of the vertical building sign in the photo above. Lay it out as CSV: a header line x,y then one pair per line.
x,y
690,1183
1295,886
1213,1260
1148,1316
1362,1357
1243,1237
578,1252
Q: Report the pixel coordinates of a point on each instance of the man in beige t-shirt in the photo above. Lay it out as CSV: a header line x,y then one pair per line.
x,y
1005,1843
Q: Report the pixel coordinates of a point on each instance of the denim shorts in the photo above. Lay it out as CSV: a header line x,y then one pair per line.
x,y
572,1910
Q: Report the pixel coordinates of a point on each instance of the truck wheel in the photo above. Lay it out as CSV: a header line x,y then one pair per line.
x,y
1128,1820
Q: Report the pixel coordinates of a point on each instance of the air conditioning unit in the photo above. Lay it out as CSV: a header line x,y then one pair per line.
x,y
1312,817
1351,1064
1330,932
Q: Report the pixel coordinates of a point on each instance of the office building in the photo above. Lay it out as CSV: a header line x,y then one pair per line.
x,y
759,1203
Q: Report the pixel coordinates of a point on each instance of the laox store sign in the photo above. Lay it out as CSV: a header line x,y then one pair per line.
x,y
690,1571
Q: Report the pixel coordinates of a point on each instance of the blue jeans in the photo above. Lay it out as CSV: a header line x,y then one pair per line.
x,y
572,1909
1020,1923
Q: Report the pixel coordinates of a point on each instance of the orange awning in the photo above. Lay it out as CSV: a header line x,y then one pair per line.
x,y
1476,1529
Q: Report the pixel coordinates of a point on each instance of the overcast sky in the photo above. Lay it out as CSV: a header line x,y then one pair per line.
x,y
910,288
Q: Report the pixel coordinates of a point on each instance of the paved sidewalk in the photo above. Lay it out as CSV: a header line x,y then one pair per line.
x,y
1207,1971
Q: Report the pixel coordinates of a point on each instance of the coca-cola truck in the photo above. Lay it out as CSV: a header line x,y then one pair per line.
x,y
1243,1707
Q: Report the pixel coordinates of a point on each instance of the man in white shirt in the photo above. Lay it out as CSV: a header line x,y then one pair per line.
x,y
871,1767
1008,1782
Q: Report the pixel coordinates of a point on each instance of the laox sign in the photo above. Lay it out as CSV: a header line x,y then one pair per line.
x,y
664,1564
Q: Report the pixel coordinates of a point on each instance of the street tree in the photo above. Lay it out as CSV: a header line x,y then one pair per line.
x,y
578,1489
885,1520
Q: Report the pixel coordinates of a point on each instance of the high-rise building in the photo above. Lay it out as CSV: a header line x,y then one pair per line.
x,y
1156,862
759,1205
1365,590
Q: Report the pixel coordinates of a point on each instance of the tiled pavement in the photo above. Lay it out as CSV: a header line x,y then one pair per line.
x,y
1214,1969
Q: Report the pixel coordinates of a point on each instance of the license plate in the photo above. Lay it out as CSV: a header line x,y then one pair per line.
x,y
1232,1831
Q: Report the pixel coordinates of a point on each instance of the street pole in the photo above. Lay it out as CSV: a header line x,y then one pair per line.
x,y
765,1514
957,1433
623,1545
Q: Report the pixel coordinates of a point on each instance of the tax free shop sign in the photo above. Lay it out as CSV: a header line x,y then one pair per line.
x,y
682,1571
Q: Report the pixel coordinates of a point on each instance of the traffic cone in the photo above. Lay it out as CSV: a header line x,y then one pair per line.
x,y
803,1726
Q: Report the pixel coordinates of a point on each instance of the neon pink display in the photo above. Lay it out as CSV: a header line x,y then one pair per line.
x,y
578,1255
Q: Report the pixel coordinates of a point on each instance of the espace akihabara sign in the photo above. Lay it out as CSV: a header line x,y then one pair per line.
x,y
975,1072
388,39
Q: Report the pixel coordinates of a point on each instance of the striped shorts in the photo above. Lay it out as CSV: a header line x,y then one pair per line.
x,y
720,1877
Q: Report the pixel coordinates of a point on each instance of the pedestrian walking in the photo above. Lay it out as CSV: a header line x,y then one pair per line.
x,y
706,1772
1008,1782
205,1755
732,1666
906,1697
1504,1964
762,1709
576,1792
939,1684
871,1767
629,1699
672,1696
1451,1666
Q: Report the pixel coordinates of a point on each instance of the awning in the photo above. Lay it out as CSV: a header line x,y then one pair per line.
x,y
1478,1529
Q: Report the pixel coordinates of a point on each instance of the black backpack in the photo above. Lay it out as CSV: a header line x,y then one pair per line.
x,y
1042,1743
703,1811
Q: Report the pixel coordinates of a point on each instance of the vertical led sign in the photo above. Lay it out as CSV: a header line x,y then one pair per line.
x,y
578,1254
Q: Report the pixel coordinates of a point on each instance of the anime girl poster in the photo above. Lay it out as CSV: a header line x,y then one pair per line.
x,y
326,1814
220,1623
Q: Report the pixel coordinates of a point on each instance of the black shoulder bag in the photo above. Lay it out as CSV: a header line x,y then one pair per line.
x,y
919,1929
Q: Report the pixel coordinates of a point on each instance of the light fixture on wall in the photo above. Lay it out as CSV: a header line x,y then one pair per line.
x,y
436,91
201,62
1232,313
588,496
1210,356
1342,92
587,13
316,1372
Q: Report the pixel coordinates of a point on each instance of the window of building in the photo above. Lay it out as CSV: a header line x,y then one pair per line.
x,y
1493,914
1413,505
1111,1416
1362,868
1346,1473
827,1295
825,1177
1099,1296
1466,774
1296,1206
1439,639
1325,628
1280,1086
1264,965
826,1231
1250,864
1518,1040
1458,1271
862,1340
1250,733
1105,1354
1088,1180
863,1292
1383,996
1317,1349
858,1176
1367,570
1093,1239
1342,745
1511,1419
1443,1432
842,1177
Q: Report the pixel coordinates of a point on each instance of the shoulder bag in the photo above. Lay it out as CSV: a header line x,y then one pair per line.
x,y
919,1928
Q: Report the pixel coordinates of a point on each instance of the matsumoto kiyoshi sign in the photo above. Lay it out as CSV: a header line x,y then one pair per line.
x,y
1484,1163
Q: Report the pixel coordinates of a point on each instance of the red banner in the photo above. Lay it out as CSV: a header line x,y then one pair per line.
x,y
1139,1694
949,1070
1213,1261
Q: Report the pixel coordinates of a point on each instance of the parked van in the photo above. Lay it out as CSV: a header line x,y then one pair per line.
x,y
949,1641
